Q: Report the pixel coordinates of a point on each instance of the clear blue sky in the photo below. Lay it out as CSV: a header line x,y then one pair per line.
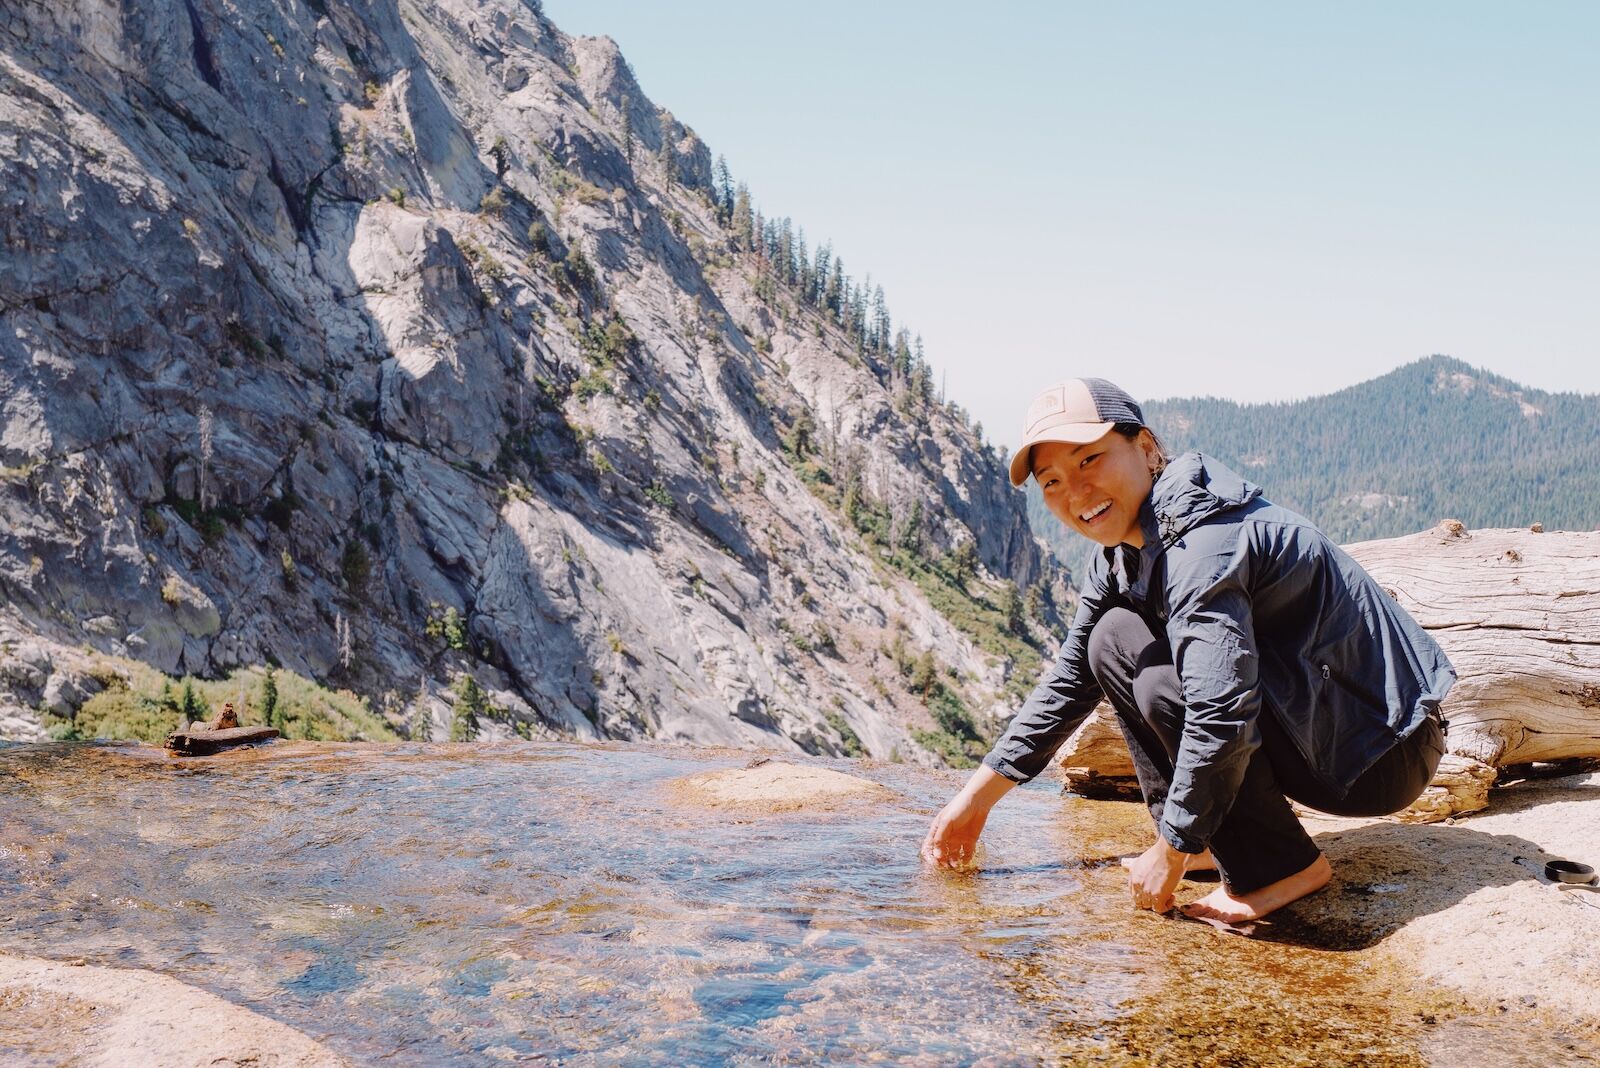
x,y
1258,201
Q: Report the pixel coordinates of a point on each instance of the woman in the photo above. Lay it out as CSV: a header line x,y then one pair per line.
x,y
1248,658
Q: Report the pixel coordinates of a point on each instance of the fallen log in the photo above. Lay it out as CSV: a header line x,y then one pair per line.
x,y
198,741
1517,612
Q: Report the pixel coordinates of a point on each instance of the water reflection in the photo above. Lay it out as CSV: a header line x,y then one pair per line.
x,y
439,904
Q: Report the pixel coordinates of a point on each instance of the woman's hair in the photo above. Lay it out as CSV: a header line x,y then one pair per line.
x,y
1131,432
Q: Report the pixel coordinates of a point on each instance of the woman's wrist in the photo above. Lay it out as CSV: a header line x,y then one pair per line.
x,y
986,786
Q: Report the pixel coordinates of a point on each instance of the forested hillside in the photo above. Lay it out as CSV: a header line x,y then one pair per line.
x,y
1433,439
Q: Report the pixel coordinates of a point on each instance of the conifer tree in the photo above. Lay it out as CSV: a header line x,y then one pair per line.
x,y
803,259
784,259
1011,608
191,707
911,537
722,190
269,700
668,161
925,674
964,563
742,219
880,321
858,312
833,297
902,354
468,707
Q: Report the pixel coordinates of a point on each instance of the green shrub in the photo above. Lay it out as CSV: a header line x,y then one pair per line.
x,y
952,750
850,741
658,495
449,626
495,201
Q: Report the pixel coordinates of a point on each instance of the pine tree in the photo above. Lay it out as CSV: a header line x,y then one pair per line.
x,y
627,127
803,259
722,190
819,273
742,219
902,353
964,563
911,537
784,260
880,321
269,700
925,674
668,161
190,706
468,707
833,297
1011,608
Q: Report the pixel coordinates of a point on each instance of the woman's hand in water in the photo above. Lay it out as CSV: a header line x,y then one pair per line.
x,y
1155,875
953,838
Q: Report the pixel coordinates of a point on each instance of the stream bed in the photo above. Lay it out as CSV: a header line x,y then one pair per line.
x,y
451,904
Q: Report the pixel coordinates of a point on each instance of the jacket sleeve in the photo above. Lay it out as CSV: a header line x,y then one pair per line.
x,y
1065,695
1214,649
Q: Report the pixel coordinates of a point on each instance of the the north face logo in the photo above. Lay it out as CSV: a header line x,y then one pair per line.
x,y
1046,404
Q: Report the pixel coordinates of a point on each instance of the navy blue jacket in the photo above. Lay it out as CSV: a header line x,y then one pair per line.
x,y
1264,613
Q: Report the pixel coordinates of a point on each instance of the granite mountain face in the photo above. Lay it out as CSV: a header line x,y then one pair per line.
x,y
396,342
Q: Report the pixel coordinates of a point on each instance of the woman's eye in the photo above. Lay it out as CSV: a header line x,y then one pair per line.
x,y
1087,460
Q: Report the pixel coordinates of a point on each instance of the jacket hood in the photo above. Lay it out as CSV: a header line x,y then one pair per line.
x,y
1192,489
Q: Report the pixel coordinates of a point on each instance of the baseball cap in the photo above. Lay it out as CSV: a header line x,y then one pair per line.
x,y
1077,411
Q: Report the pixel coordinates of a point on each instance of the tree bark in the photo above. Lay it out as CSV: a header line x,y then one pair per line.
x,y
1518,614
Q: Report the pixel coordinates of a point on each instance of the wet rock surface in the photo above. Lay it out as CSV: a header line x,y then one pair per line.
x,y
441,904
55,1012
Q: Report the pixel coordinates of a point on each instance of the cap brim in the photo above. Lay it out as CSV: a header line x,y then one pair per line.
x,y
1066,433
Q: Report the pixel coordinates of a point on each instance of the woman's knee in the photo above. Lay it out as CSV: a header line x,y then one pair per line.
x,y
1115,641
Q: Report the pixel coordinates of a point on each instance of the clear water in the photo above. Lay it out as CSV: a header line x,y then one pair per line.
x,y
416,904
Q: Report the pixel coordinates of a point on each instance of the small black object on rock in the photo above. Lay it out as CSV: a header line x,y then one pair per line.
x,y
1569,871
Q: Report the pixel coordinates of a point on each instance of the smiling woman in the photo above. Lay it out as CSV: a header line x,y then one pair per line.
x,y
1249,660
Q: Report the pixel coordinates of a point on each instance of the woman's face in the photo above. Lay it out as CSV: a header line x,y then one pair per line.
x,y
1096,489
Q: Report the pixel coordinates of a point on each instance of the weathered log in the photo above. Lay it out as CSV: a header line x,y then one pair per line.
x,y
198,741
1517,612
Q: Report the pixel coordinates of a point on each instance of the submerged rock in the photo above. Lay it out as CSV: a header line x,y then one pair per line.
x,y
55,1012
773,786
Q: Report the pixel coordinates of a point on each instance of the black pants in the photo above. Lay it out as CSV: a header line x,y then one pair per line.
x,y
1260,840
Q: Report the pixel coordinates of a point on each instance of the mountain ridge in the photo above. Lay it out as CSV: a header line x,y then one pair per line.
x,y
405,345
1433,439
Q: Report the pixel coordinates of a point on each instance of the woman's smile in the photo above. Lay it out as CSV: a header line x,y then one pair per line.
x,y
1097,488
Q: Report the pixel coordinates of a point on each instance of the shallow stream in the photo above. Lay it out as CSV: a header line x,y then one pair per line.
x,y
434,904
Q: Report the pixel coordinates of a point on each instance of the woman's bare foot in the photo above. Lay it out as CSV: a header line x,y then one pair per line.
x,y
1222,905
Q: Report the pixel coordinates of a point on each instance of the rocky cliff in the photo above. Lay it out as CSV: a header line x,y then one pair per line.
x,y
397,342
